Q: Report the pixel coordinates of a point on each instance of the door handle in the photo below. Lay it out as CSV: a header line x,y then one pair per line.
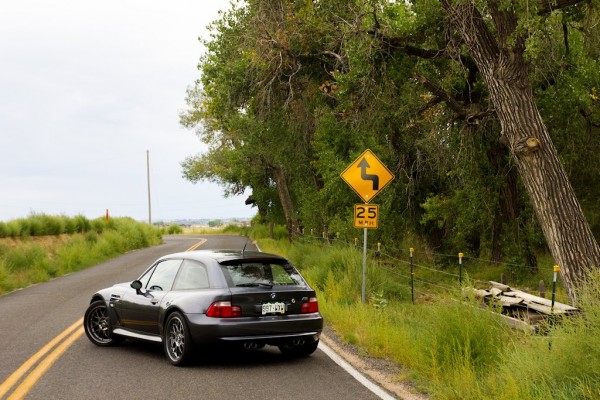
x,y
154,301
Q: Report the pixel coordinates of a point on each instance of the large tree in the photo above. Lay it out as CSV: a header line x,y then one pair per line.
x,y
445,93
496,40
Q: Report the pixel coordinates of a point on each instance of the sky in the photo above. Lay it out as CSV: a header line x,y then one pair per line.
x,y
89,89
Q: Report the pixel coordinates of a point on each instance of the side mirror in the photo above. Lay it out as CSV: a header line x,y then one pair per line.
x,y
137,285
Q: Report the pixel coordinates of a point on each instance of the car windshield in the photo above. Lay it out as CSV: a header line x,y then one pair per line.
x,y
249,274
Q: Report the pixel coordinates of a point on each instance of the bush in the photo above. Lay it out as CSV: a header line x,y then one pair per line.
x,y
236,230
98,225
23,228
42,225
174,229
259,231
24,257
82,224
4,230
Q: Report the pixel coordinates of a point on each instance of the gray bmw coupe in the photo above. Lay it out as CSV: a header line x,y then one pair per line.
x,y
248,299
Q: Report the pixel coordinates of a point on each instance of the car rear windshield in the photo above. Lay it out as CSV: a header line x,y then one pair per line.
x,y
249,274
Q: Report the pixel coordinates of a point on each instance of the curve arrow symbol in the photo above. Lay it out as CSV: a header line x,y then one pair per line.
x,y
363,165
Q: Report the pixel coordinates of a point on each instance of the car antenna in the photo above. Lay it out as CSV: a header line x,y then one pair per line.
x,y
244,249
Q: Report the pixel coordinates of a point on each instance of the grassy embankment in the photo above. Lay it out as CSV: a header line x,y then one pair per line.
x,y
451,348
41,247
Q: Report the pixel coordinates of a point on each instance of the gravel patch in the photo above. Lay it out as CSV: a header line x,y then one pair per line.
x,y
383,372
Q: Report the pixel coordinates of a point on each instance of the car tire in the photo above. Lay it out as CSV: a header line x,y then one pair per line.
x,y
97,326
299,351
177,340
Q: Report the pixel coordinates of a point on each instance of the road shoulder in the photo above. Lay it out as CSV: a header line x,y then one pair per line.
x,y
382,372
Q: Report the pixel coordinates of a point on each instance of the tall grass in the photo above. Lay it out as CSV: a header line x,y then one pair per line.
x,y
45,225
35,259
451,347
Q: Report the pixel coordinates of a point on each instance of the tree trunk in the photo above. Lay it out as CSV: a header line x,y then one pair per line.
x,y
284,196
506,74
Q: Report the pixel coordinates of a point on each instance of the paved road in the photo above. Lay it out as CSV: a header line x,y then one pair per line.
x,y
33,317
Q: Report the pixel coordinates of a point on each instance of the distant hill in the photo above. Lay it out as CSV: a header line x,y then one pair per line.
x,y
201,221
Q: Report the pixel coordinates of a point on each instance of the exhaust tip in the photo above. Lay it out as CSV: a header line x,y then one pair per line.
x,y
298,342
250,345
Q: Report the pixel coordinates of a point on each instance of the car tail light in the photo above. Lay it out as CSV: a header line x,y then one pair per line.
x,y
223,309
311,306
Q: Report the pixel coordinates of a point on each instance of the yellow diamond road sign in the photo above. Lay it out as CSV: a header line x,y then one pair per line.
x,y
367,176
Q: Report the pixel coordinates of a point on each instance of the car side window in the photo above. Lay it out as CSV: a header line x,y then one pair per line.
x,y
193,275
163,276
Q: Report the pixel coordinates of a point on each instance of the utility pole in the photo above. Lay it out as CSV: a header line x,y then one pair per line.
x,y
148,175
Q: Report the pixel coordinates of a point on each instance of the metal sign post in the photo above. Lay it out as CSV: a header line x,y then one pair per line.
x,y
367,176
364,271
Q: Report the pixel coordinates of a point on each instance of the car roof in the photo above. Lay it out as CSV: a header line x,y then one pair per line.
x,y
223,256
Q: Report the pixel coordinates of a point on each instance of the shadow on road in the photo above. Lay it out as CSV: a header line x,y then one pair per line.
x,y
215,356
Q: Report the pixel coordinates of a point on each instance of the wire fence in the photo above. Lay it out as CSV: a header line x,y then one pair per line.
x,y
419,271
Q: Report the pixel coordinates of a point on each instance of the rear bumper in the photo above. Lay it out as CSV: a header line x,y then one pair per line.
x,y
268,329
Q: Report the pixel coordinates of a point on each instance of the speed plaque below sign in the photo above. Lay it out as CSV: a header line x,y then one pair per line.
x,y
366,216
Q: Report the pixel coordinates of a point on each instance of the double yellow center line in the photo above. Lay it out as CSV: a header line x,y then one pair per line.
x,y
48,356
195,246
35,369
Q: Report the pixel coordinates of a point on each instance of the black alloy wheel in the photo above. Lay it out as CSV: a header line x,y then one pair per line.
x,y
96,325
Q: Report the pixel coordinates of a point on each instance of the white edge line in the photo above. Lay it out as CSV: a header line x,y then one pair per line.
x,y
350,369
355,374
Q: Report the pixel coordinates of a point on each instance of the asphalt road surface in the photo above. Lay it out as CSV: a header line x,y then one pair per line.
x,y
45,355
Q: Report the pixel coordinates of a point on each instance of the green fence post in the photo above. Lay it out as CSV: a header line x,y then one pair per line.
x,y
556,269
460,257
412,277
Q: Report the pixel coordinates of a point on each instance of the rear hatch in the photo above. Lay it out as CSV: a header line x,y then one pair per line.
x,y
266,287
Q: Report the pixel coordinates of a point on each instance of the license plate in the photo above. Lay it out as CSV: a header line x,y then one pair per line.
x,y
273,308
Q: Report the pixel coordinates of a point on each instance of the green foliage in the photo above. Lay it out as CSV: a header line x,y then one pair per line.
x,y
215,223
276,232
338,77
49,225
174,229
30,261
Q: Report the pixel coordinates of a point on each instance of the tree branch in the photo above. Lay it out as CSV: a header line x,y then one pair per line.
x,y
469,114
443,95
339,58
547,6
398,44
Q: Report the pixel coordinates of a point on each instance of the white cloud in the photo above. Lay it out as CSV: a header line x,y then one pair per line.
x,y
86,88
